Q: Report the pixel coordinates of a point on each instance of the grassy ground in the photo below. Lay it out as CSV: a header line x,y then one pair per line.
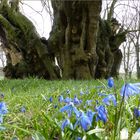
x,y
31,113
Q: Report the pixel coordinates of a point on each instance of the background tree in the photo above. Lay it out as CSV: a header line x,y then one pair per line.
x,y
131,22
135,39
111,36
129,59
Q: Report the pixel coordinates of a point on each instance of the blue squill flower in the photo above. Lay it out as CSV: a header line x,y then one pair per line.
x,y
76,101
69,108
89,102
3,108
102,94
110,82
80,101
78,138
23,109
101,113
66,123
60,98
130,89
90,115
83,120
51,99
109,98
55,106
136,112
81,92
67,100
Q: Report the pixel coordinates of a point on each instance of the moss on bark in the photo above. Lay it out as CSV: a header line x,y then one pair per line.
x,y
26,54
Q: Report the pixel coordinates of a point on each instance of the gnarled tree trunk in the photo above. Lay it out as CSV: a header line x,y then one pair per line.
x,y
74,37
108,43
26,53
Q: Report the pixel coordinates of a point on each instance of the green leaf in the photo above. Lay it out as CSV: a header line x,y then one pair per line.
x,y
44,97
38,136
62,133
84,138
136,136
97,130
128,108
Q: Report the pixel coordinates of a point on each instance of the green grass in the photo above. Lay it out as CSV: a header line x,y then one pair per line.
x,y
42,119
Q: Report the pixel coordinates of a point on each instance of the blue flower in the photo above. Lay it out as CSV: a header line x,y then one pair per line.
x,y
136,112
60,99
101,113
109,98
130,89
23,109
70,108
90,115
81,92
76,100
102,94
78,138
3,108
110,82
65,123
67,100
89,102
83,120
55,106
51,99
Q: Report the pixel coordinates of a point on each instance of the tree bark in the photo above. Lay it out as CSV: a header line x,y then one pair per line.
x,y
26,54
109,54
76,24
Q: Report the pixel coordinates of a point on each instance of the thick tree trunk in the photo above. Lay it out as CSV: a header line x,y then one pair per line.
x,y
74,36
26,54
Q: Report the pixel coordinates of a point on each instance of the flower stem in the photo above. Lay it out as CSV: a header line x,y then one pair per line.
x,y
118,114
